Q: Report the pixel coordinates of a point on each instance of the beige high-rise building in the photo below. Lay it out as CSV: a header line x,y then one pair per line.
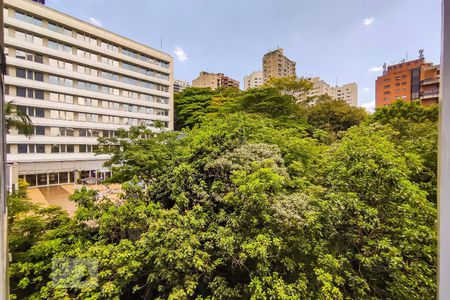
x,y
253,80
76,82
214,81
275,64
347,92
180,85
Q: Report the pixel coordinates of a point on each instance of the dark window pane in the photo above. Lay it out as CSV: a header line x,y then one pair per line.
x,y
40,112
38,59
40,148
55,148
20,73
31,179
83,148
53,178
21,92
22,148
31,149
30,74
38,94
39,76
63,177
22,109
71,176
42,179
70,149
40,130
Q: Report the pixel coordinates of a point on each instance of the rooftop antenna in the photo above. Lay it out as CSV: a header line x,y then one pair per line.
x,y
161,43
421,54
406,55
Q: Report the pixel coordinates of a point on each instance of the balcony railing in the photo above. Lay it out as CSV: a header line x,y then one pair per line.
x,y
430,81
430,93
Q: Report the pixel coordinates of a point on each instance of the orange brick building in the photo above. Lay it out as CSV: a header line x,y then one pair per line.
x,y
411,80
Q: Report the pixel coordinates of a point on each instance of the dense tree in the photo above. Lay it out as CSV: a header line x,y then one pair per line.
x,y
191,105
334,116
249,203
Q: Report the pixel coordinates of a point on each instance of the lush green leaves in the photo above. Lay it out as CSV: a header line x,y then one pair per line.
x,y
258,198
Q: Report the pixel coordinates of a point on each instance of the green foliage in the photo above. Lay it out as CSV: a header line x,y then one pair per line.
x,y
253,200
334,116
191,105
17,119
35,234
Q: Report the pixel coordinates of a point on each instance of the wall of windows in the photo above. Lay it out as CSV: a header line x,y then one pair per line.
x,y
49,178
82,37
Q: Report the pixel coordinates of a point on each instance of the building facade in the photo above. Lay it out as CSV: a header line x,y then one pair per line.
x,y
76,82
347,92
430,76
180,85
253,80
407,81
214,81
275,64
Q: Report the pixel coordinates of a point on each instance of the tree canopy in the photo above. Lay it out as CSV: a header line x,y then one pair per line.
x,y
250,201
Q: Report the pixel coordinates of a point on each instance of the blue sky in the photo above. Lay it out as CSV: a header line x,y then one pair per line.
x,y
343,40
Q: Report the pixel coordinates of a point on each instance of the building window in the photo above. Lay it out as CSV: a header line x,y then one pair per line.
x,y
63,177
59,46
59,29
42,179
22,148
31,179
40,148
28,19
39,130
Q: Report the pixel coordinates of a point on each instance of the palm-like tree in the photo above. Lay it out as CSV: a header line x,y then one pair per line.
x,y
18,119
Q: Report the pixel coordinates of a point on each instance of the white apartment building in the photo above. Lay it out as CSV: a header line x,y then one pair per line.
x,y
77,82
180,85
347,92
253,80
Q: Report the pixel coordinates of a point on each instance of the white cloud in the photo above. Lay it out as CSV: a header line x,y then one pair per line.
x,y
376,69
181,55
366,90
368,21
95,22
369,106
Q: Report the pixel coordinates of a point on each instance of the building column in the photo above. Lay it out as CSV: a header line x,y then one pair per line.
x,y
443,274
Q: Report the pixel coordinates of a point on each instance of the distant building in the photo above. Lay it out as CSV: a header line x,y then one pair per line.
x,y
253,80
275,64
214,81
179,85
429,84
409,80
347,92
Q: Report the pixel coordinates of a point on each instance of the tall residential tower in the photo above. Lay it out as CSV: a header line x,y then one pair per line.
x,y
275,64
409,80
77,82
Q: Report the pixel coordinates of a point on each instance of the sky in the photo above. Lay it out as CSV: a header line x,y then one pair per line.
x,y
338,40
